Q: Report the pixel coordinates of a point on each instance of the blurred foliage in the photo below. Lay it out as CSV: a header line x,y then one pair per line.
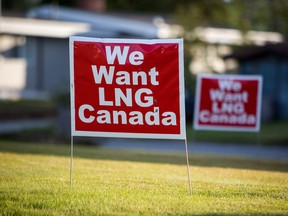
x,y
160,6
263,15
23,5
22,104
62,99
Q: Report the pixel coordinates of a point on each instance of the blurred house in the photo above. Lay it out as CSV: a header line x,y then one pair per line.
x,y
210,44
270,61
34,56
34,51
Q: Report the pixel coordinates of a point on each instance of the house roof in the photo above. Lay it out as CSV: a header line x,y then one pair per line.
x,y
97,21
234,36
278,50
41,28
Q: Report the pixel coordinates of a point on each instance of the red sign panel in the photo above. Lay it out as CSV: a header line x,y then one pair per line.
x,y
228,102
127,88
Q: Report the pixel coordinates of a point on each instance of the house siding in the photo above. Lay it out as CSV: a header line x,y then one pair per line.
x,y
48,64
275,86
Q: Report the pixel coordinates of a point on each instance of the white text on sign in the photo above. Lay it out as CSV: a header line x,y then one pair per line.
x,y
228,104
141,97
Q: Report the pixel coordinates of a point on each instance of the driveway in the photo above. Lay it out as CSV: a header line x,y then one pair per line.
x,y
227,149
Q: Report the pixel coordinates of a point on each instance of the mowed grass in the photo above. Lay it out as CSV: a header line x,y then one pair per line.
x,y
34,180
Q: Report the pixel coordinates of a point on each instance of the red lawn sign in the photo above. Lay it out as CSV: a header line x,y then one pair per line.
x,y
228,102
127,88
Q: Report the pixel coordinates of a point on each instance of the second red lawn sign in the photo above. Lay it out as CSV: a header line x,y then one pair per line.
x,y
228,102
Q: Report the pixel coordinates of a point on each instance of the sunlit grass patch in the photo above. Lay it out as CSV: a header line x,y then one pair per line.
x,y
112,182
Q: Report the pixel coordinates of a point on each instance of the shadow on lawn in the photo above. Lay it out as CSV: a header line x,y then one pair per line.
x,y
92,152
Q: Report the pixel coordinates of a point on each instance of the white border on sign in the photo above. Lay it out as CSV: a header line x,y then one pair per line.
x,y
227,128
181,136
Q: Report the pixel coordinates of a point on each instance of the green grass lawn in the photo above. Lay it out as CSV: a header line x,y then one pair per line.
x,y
34,180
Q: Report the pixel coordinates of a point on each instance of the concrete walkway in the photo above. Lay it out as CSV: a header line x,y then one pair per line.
x,y
227,149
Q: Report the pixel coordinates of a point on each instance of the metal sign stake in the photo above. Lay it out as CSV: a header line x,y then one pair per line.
x,y
71,161
188,169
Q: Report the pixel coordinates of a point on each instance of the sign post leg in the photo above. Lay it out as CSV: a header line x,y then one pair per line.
x,y
188,169
71,161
